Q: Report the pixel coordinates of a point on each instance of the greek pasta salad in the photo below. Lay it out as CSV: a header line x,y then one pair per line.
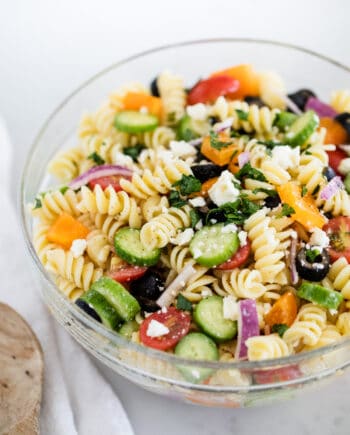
x,y
206,221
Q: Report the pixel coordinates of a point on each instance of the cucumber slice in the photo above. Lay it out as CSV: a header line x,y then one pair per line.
x,y
209,316
284,119
103,308
319,295
132,121
302,128
185,130
212,245
196,346
121,300
128,328
347,182
128,246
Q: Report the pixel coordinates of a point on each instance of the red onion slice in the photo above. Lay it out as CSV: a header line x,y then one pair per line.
x,y
195,142
243,158
224,125
174,288
322,109
292,106
97,172
248,326
331,188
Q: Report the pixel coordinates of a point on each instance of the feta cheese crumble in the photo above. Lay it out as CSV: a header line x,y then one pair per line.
x,y
286,157
197,111
156,329
223,190
230,308
230,228
78,247
199,201
319,238
242,236
182,148
123,160
183,238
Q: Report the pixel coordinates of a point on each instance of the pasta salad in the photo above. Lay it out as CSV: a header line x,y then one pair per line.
x,y
210,222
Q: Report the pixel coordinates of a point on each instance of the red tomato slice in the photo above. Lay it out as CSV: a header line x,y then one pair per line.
x,y
335,157
281,374
237,259
207,91
338,231
127,273
178,322
110,180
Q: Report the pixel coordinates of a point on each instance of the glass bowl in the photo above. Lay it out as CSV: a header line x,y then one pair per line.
x,y
231,384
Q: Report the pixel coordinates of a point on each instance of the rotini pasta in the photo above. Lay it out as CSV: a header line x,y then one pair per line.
x,y
340,100
266,347
172,92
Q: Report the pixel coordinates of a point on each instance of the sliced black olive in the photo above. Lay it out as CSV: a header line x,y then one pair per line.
x,y
344,120
300,97
213,120
205,172
272,201
154,87
88,310
147,290
311,266
255,100
329,173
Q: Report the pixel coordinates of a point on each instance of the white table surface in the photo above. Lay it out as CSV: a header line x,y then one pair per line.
x,y
47,48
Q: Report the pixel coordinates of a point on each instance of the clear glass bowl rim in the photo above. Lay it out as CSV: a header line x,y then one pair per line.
x,y
96,327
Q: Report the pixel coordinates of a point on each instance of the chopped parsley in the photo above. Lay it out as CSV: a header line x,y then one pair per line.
x,y
269,192
216,143
37,203
171,118
64,189
195,218
96,158
236,212
303,191
248,171
175,199
242,115
183,304
271,143
188,184
133,151
279,328
287,210
311,255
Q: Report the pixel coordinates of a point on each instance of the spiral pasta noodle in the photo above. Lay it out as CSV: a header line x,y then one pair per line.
x,y
272,89
55,203
243,283
109,225
343,324
266,347
64,166
153,207
173,95
339,274
340,100
68,288
98,247
40,242
330,334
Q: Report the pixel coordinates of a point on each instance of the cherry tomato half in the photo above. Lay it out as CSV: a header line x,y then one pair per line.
x,y
335,157
276,375
110,180
237,259
208,90
338,231
127,273
178,322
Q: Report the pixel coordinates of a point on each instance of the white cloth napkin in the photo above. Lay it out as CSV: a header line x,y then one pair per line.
x,y
76,398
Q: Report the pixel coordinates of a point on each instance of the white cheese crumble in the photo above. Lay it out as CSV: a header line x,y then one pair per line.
x,y
344,166
123,160
223,190
230,308
196,253
156,329
197,111
199,225
199,201
143,109
182,148
206,292
78,247
242,236
230,228
183,238
319,238
286,157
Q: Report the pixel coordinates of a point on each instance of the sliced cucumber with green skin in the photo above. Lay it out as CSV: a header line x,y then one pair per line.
x,y
196,346
347,182
109,316
209,316
212,245
302,128
185,130
284,119
132,121
121,300
319,295
128,246
128,329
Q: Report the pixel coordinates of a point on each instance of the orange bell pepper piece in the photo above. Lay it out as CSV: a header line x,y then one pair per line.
x,y
136,100
336,133
284,311
306,211
205,188
66,229
247,77
220,156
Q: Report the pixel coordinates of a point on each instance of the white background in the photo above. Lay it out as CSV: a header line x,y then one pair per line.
x,y
47,48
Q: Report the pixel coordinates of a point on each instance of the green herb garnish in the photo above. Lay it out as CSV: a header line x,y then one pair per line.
x,y
171,118
183,304
279,328
64,189
133,151
188,184
303,191
269,192
216,143
236,212
175,199
37,203
248,171
312,254
96,158
195,218
242,115
287,210
270,143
